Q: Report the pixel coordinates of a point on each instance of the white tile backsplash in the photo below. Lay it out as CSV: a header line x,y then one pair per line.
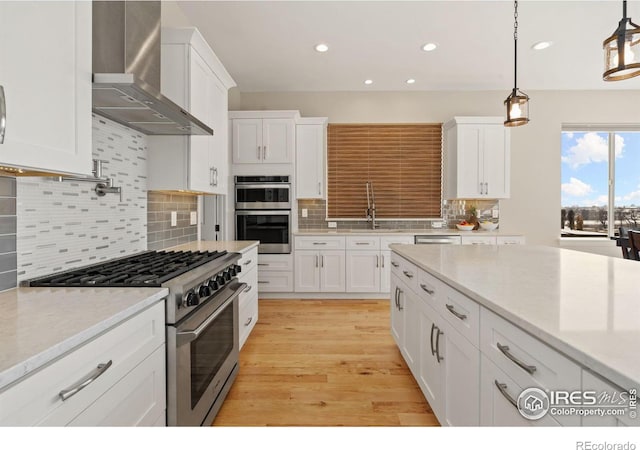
x,y
62,225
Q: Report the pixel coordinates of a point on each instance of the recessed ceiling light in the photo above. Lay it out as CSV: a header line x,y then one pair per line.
x,y
430,46
368,81
541,45
411,81
322,48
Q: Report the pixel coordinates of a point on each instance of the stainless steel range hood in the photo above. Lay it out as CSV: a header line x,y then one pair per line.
x,y
126,70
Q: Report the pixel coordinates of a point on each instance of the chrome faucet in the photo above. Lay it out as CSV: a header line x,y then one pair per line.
x,y
371,207
104,184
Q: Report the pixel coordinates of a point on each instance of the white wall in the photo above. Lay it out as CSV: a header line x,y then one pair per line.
x,y
534,206
172,15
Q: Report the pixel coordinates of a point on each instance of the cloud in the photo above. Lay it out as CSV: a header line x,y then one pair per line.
x,y
592,148
576,188
569,134
632,198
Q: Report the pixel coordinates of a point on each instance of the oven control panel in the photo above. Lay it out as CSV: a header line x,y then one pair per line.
x,y
208,287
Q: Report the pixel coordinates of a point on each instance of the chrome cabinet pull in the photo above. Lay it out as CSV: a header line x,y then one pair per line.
x,y
505,350
377,261
362,243
407,274
502,387
456,313
433,350
263,282
319,188
3,115
264,152
486,188
215,176
246,324
481,189
211,176
249,287
66,394
316,260
400,292
319,243
438,357
259,154
395,264
382,258
321,260
427,290
246,263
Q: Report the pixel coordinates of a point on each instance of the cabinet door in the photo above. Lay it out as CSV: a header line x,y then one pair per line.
x,y
201,106
397,318
385,271
247,141
430,369
411,340
332,271
462,378
45,49
363,271
495,148
219,149
470,161
309,161
277,140
307,271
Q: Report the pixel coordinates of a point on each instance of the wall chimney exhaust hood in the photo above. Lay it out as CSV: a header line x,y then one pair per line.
x,y
126,70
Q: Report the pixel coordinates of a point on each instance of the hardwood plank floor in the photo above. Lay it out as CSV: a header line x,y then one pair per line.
x,y
323,363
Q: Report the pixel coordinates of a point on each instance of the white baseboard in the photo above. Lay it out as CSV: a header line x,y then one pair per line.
x,y
325,295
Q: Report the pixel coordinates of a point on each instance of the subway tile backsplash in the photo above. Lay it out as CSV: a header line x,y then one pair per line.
x,y
62,225
161,234
8,264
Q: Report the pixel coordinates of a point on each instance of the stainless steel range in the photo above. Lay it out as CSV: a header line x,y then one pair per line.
x,y
201,321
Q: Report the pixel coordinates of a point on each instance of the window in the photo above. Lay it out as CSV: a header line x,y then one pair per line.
x,y
403,162
600,181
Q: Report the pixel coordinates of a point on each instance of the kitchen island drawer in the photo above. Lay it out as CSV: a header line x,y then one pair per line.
x,y
406,270
527,360
461,312
105,359
248,260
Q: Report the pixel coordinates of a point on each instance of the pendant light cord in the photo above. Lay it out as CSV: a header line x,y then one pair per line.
x,y
515,46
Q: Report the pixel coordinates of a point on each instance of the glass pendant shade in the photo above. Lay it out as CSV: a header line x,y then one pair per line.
x,y
517,104
622,50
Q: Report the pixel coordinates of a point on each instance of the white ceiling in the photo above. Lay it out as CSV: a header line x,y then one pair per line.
x,y
269,45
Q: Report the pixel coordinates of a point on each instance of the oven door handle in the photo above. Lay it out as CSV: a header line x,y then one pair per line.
x,y
263,186
281,212
184,337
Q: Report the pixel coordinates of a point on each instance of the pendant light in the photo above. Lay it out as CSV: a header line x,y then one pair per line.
x,y
622,50
517,102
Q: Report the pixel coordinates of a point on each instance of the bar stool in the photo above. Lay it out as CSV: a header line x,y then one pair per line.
x,y
634,244
624,240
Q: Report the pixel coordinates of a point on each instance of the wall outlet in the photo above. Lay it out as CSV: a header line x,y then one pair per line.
x,y
495,213
305,212
174,218
436,224
332,224
194,218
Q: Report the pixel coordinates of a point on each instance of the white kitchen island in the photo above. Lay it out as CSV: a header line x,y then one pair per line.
x,y
477,325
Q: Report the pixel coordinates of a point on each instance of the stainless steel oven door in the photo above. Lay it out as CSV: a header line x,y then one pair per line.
x,y
202,359
271,228
263,196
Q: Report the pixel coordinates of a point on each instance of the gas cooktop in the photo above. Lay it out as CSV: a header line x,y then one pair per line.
x,y
147,269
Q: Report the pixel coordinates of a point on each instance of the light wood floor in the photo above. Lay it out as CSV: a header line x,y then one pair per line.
x,y
323,363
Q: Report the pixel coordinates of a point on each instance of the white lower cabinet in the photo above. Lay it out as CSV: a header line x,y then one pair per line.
x,y
363,271
275,273
430,375
320,271
248,299
130,390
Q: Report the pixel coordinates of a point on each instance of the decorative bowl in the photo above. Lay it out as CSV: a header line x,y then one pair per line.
x,y
488,226
465,227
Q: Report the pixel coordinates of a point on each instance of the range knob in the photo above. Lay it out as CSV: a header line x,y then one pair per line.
x,y
220,279
232,270
238,268
213,284
191,299
204,291
227,275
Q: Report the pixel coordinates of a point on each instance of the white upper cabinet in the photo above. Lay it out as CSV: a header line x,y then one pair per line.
x,y
310,156
476,158
194,78
263,137
45,49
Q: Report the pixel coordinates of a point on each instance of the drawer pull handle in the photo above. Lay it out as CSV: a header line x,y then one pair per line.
x,y
400,292
502,387
438,357
456,313
249,287
395,264
505,350
263,282
263,264
246,324
407,274
246,263
362,243
427,290
319,243
66,394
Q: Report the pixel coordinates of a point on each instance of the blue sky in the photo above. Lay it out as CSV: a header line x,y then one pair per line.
x,y
585,169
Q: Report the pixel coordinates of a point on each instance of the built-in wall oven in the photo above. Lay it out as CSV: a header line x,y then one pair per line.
x,y
263,212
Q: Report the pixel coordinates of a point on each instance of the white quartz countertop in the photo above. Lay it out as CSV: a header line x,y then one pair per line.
x,y
412,232
586,306
210,246
38,325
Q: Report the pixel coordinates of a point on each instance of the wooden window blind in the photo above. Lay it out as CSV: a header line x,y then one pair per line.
x,y
402,161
